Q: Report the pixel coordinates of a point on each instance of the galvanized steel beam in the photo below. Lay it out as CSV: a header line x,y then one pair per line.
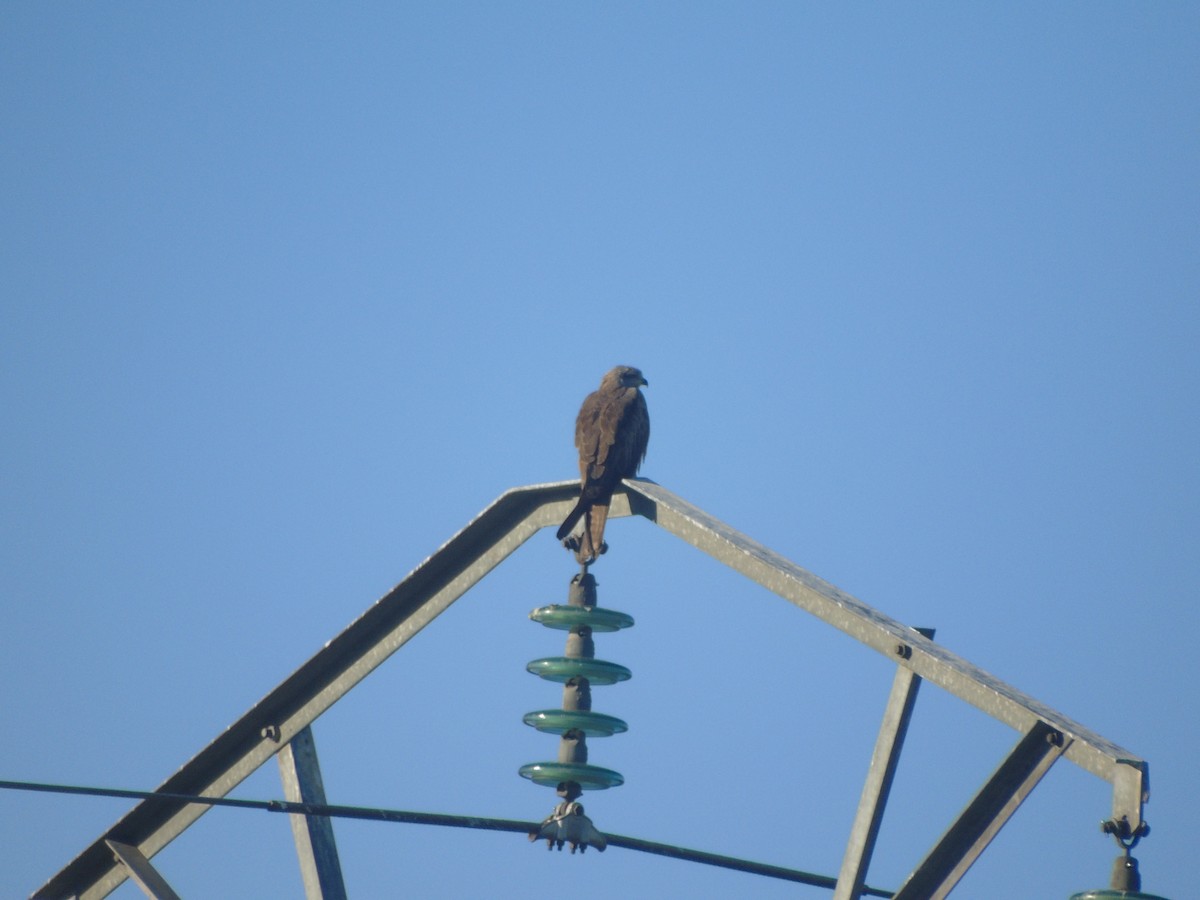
x,y
300,771
144,875
1128,774
878,784
341,664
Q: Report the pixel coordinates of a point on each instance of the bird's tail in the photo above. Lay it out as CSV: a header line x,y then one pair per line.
x,y
569,522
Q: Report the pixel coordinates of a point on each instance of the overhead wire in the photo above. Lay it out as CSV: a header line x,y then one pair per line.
x,y
443,819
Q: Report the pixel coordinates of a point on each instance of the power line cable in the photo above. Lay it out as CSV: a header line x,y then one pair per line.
x,y
422,818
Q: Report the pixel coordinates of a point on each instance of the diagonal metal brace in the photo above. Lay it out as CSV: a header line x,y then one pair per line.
x,y
300,771
861,845
985,815
142,872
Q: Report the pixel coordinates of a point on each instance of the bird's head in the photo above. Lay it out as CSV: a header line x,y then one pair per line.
x,y
626,377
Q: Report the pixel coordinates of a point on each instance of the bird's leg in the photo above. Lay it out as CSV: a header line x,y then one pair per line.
x,y
587,551
581,544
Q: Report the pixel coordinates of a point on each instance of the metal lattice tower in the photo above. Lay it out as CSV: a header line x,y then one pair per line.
x,y
278,725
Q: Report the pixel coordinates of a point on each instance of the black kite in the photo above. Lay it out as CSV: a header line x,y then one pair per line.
x,y
611,432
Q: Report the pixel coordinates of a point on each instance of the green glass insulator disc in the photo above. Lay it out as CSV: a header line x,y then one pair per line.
x,y
564,668
590,778
1115,895
593,724
564,618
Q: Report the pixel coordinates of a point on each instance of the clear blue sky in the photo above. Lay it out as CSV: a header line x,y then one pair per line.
x,y
291,292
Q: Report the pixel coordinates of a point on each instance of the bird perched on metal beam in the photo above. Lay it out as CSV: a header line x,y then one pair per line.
x,y
611,433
